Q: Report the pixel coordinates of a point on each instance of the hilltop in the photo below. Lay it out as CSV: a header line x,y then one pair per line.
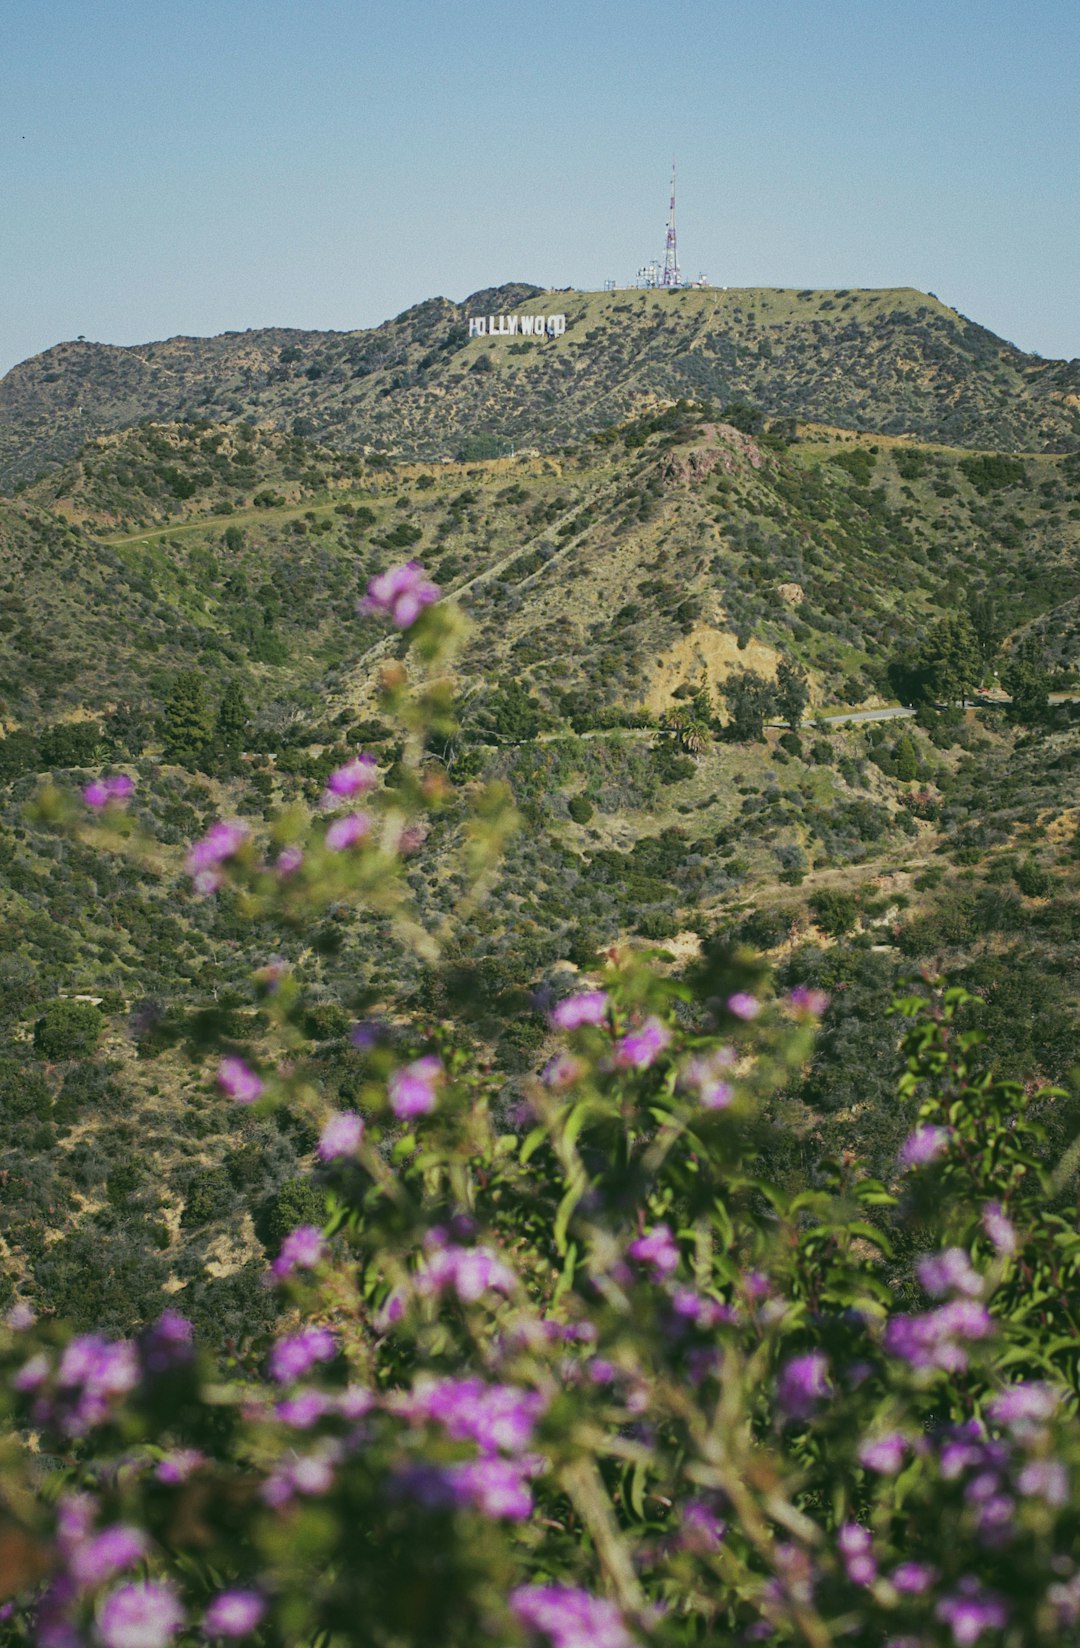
x,y
891,361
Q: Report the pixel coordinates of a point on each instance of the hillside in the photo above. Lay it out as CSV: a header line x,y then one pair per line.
x,y
896,362
607,585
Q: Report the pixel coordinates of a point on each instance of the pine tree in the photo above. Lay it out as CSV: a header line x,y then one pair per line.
x,y
952,659
232,717
188,719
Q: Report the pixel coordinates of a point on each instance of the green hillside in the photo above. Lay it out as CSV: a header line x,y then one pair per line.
x,y
609,587
892,361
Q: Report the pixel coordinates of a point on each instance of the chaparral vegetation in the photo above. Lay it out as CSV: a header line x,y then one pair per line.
x,y
562,1357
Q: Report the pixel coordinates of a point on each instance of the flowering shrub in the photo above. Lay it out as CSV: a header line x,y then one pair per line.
x,y
585,1378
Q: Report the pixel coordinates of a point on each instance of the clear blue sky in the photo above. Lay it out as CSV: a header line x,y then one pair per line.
x,y
218,164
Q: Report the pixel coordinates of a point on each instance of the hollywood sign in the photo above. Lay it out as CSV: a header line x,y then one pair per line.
x,y
512,326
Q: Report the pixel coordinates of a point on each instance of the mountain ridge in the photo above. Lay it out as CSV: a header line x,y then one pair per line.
x,y
894,361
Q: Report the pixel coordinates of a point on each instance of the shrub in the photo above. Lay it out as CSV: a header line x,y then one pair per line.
x,y
68,1030
580,809
835,911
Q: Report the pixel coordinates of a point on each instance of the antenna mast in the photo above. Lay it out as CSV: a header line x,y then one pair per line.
x,y
672,275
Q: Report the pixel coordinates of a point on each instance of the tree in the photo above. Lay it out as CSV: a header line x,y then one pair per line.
x,y
987,626
905,759
232,717
1027,682
792,692
189,719
749,699
951,658
68,1029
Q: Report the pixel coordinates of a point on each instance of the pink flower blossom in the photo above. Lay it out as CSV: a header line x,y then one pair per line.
x,y
999,1228
302,1249
805,999
292,1357
586,1007
658,1250
234,1614
106,1554
412,1089
140,1616
949,1271
924,1145
403,592
348,831
569,1617
640,1048
469,1272
703,1076
857,1553
221,842
743,1005
803,1384
971,1611
288,861
341,1135
495,1417
238,1081
884,1454
104,790
356,777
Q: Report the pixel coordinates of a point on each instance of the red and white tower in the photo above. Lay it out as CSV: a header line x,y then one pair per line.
x,y
672,275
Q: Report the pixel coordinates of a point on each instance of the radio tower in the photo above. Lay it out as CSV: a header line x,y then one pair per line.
x,y
672,275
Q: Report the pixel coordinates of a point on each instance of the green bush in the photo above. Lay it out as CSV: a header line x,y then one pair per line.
x,y
68,1030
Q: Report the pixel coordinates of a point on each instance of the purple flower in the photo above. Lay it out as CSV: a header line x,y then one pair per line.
x,y
303,1409
341,1135
804,999
366,1034
562,1071
857,1553
743,1005
32,1374
1025,1405
884,1454
1045,1479
301,1250
292,1357
802,1384
999,1228
238,1081
470,1272
913,1578
412,1088
702,1075
949,1271
971,1611
403,592
178,1465
495,1487
586,1007
569,1617
495,1417
106,1554
234,1614
19,1316
700,1529
924,1145
91,1374
140,1616
221,842
168,1344
658,1250
288,861
347,831
938,1338
356,777
104,790
641,1048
